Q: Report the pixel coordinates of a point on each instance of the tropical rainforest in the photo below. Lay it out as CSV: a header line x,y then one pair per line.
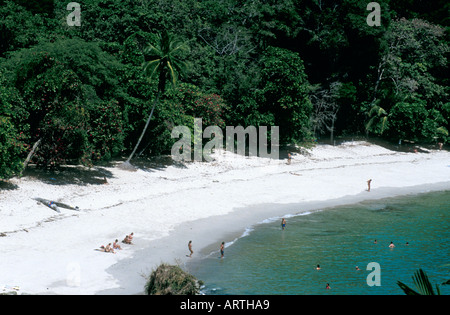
x,y
90,81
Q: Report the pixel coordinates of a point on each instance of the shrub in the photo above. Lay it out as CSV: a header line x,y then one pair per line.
x,y
171,280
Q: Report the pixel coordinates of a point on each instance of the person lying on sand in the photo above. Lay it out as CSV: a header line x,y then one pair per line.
x,y
107,249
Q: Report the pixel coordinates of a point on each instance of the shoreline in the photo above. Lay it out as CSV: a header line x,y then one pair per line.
x,y
173,248
44,252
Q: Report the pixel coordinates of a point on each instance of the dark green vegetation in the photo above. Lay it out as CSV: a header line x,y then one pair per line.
x,y
171,280
312,67
423,285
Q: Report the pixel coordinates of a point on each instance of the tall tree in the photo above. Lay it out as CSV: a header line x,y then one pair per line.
x,y
164,61
408,82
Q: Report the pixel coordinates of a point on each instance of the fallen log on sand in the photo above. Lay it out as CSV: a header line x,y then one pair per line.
x,y
56,205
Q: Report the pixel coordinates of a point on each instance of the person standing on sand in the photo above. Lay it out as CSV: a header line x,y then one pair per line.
x,y
222,249
368,184
190,248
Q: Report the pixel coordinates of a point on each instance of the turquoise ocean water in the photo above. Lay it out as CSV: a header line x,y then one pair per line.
x,y
269,260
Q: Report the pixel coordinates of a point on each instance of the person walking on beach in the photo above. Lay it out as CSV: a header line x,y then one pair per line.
x,y
283,223
190,248
222,249
368,184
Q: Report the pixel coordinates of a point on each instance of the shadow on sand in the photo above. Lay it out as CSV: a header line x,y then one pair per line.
x,y
70,175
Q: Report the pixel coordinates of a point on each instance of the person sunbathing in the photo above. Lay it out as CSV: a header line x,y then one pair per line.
x,y
127,240
116,245
108,249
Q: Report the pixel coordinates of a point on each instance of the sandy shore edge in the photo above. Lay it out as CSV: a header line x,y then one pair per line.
x,y
44,252
208,233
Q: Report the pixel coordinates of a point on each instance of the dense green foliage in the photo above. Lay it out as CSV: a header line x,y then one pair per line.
x,y
311,67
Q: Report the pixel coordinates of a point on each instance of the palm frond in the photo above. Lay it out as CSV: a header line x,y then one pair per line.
x,y
406,289
172,74
369,123
383,123
153,50
151,67
422,283
442,130
379,111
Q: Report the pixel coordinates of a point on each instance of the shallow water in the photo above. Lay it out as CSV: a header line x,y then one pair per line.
x,y
269,260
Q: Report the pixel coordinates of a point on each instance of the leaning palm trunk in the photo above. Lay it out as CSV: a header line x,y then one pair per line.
x,y
127,164
165,64
30,155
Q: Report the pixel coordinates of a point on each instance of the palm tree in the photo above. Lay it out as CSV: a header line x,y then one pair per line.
x,y
163,61
377,113
423,285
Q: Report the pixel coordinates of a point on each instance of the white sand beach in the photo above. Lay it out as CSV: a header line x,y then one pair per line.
x,y
45,252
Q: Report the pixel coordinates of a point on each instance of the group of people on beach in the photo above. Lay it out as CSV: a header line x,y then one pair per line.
x,y
222,249
111,248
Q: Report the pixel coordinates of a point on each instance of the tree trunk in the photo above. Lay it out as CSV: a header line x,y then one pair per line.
x,y
332,130
30,155
145,128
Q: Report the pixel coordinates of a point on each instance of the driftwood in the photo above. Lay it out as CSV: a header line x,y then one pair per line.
x,y
56,205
